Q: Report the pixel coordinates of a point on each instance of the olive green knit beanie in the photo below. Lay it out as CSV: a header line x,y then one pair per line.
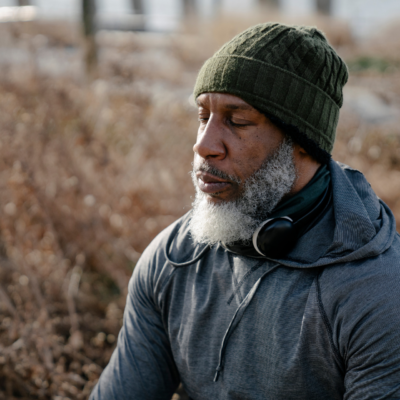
x,y
290,73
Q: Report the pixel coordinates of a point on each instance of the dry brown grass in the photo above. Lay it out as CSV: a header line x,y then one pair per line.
x,y
90,172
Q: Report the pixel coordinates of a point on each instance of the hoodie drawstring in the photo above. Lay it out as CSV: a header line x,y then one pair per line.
x,y
236,319
182,264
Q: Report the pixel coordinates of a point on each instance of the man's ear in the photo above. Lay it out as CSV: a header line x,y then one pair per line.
x,y
300,154
306,167
300,150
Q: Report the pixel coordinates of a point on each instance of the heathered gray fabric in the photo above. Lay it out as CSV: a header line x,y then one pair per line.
x,y
323,323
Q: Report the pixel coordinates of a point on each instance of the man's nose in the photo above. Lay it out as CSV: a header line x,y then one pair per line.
x,y
209,142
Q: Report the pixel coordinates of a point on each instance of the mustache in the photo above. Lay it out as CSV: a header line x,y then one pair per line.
x,y
206,167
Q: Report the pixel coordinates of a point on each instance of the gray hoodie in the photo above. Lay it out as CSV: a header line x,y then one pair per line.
x,y
322,323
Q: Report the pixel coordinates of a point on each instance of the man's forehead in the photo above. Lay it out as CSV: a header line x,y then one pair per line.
x,y
225,100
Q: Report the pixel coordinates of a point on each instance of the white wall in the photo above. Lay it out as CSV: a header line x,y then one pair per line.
x,y
8,3
163,14
206,8
298,7
58,9
114,6
364,16
367,17
238,6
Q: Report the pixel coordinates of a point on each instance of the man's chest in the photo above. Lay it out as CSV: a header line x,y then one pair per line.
x,y
268,342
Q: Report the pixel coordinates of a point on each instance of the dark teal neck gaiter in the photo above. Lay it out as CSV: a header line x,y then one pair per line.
x,y
294,207
299,204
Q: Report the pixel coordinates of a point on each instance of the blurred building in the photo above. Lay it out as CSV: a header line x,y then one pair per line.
x,y
364,16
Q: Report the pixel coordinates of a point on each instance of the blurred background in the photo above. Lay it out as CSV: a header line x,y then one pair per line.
x,y
97,124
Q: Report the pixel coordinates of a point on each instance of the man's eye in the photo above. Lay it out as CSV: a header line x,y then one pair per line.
x,y
203,119
237,125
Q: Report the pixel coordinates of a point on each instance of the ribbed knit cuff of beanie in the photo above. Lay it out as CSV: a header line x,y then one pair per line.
x,y
289,73
309,145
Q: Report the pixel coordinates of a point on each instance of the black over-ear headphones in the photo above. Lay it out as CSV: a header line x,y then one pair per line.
x,y
277,236
273,238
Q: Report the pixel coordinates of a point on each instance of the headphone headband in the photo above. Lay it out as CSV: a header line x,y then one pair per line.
x,y
277,236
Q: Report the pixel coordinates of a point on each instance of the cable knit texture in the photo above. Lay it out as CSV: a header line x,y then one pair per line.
x,y
290,72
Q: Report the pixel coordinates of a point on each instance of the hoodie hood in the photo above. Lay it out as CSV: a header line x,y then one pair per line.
x,y
358,225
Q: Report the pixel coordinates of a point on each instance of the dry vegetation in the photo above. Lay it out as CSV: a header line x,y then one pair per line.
x,y
91,171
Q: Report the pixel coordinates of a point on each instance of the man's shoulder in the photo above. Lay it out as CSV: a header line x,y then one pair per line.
x,y
372,280
166,235
173,243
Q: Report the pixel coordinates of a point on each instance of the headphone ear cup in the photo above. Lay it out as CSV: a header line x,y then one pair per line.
x,y
275,238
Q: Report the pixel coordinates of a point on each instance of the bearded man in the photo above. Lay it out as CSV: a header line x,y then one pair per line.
x,y
283,282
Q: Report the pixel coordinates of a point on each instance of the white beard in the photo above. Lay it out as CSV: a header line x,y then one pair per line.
x,y
237,220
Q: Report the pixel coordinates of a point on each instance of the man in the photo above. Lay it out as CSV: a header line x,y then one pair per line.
x,y
303,306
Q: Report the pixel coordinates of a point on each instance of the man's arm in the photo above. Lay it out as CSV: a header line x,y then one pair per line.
x,y
365,318
142,366
373,354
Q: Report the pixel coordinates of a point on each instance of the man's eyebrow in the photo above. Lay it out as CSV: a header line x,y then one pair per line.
x,y
230,106
239,107
199,103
